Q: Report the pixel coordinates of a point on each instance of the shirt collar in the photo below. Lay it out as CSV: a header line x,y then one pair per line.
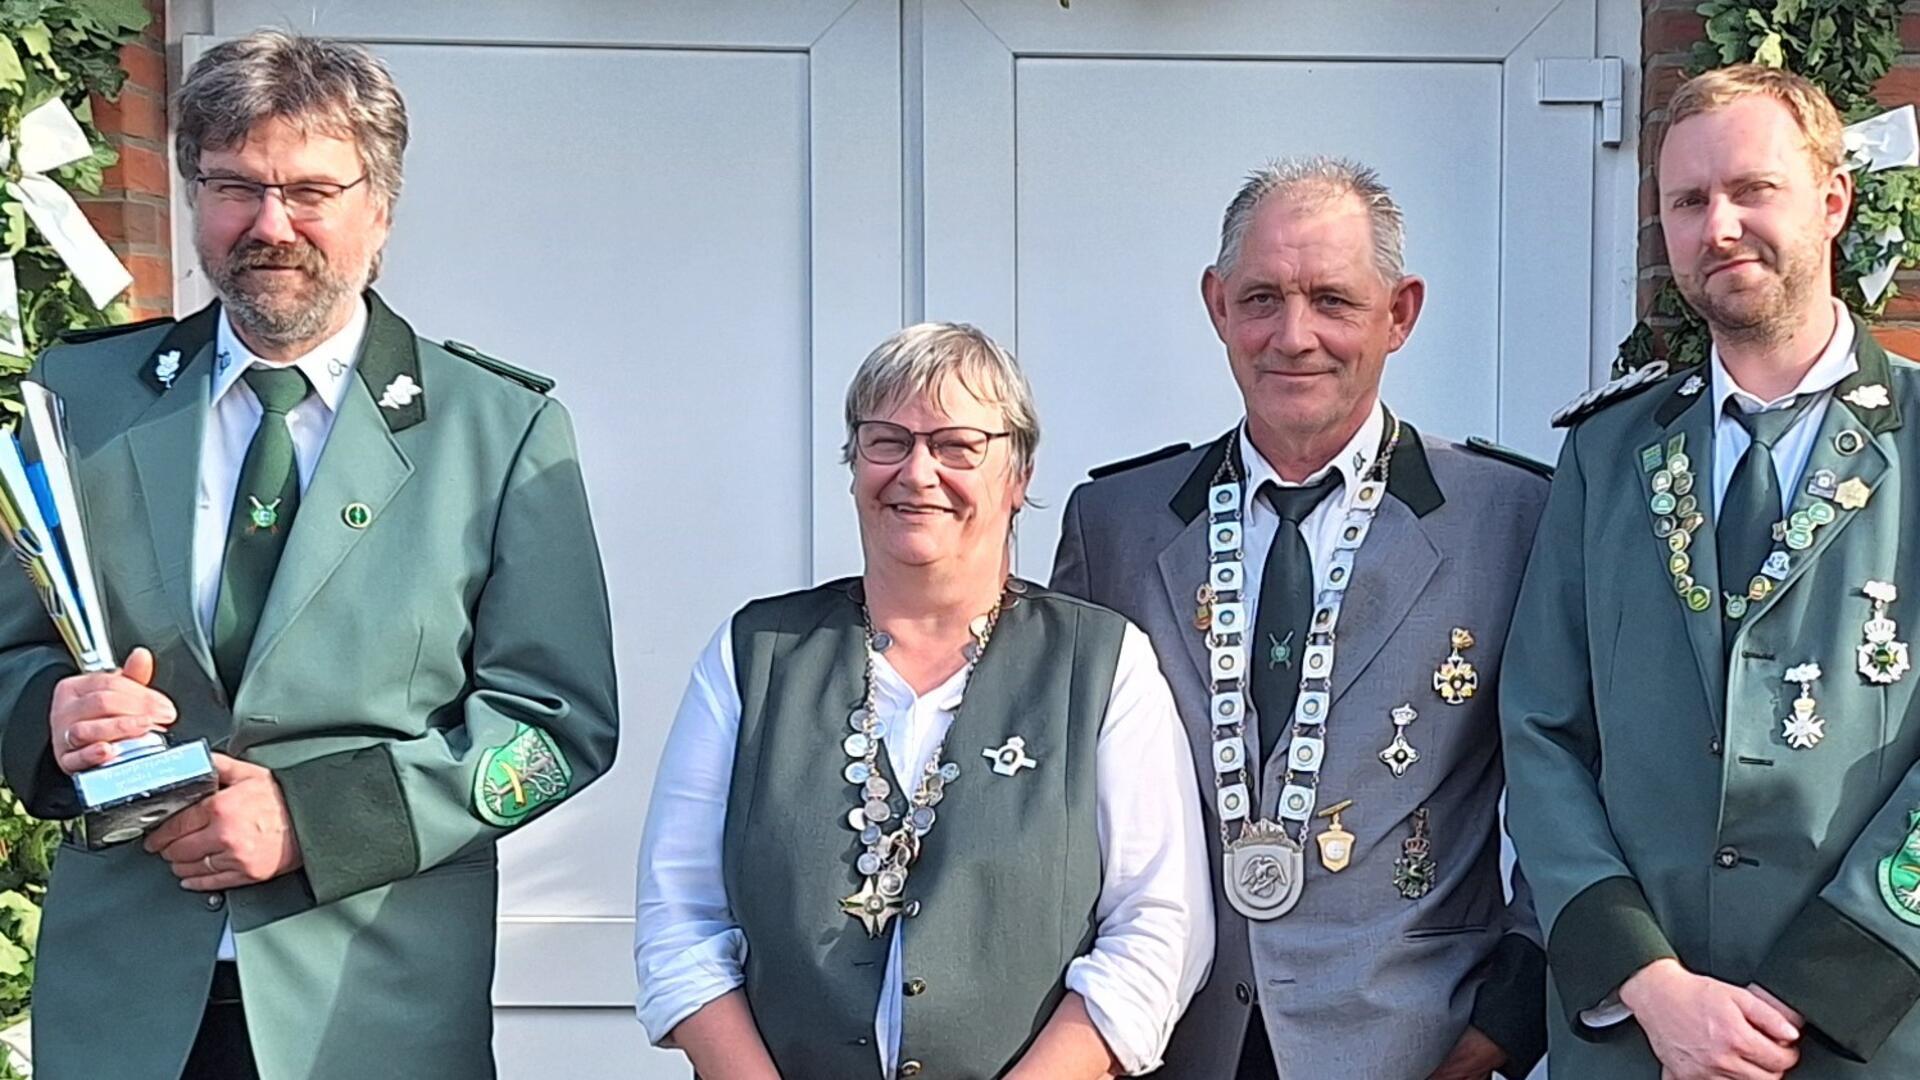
x,y
328,367
1834,364
1353,462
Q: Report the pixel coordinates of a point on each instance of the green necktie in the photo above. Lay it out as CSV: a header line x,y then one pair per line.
x,y
263,507
1751,506
1284,610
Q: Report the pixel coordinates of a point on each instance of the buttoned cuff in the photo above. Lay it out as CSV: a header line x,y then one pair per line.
x,y
351,821
1511,1007
1850,986
1600,939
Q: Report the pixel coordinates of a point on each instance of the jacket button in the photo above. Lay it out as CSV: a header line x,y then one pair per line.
x,y
912,909
916,987
1243,993
1726,857
216,901
1713,747
909,1068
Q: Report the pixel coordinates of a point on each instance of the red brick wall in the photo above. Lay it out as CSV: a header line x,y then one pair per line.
x,y
1667,35
131,211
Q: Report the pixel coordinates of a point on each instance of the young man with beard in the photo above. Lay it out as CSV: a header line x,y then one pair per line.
x,y
357,562
1713,749
1328,591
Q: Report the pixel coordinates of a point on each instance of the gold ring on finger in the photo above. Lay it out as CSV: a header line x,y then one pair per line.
x,y
208,860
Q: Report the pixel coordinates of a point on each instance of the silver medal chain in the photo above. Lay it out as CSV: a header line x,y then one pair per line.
x,y
890,852
1231,701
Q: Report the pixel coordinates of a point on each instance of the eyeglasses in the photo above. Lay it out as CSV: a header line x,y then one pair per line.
x,y
304,199
883,442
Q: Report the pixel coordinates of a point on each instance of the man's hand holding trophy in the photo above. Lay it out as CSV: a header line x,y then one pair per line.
x,y
106,723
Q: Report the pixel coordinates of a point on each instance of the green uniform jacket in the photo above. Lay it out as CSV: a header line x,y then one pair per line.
x,y
1656,805
440,598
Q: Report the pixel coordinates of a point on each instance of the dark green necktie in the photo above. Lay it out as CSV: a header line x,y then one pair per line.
x,y
1285,607
263,507
1743,535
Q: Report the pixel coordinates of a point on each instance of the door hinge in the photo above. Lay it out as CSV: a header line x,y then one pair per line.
x,y
1593,80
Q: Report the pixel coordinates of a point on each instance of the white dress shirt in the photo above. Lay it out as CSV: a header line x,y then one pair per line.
x,y
1154,941
1321,527
233,417
1790,453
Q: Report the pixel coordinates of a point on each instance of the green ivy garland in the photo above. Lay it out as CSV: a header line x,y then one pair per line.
x,y
68,49
1844,47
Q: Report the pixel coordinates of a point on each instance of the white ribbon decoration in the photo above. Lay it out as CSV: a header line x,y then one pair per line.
x,y
1888,141
49,138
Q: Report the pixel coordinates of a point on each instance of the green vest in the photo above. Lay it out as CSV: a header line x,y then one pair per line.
x,y
1003,895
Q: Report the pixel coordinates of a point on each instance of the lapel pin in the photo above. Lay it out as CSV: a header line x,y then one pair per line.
x,y
1804,729
1849,442
166,367
357,515
1824,484
1010,757
1279,653
400,392
1868,397
1853,492
1693,385
1456,680
1882,659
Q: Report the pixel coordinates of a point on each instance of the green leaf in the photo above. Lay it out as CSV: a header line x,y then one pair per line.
x,y
12,75
122,15
1769,52
37,38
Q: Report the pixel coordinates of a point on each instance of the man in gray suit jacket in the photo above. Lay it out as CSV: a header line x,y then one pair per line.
x,y
1329,593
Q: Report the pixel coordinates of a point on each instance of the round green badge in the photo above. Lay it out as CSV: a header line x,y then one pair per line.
x,y
1699,599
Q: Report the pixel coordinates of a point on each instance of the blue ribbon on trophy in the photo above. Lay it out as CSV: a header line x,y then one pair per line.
x,y
41,516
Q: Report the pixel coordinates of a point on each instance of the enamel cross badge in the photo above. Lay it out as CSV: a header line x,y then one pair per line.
x,y
1882,658
1805,728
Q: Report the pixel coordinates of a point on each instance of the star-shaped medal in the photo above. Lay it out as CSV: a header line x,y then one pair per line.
x,y
872,909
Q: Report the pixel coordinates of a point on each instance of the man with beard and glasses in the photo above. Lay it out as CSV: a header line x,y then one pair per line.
x,y
1713,748
360,564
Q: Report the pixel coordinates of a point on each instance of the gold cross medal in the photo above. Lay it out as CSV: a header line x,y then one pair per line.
x,y
1456,680
1882,659
1336,843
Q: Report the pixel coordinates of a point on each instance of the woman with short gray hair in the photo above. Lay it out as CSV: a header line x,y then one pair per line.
x,y
933,818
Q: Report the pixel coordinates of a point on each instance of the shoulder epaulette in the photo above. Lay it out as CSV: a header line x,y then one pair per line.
x,y
1489,448
1149,458
533,381
1605,394
98,333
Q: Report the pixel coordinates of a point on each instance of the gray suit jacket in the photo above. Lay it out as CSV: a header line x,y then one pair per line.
x,y
1356,982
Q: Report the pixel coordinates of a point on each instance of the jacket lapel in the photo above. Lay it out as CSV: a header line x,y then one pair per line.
x,y
1183,562
1849,448
1393,567
1686,426
362,466
165,446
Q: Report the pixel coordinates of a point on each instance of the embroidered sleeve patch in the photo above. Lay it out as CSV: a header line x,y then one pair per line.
x,y
520,777
1900,875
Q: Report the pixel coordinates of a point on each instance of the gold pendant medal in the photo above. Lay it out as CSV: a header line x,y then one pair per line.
x,y
1456,680
1336,843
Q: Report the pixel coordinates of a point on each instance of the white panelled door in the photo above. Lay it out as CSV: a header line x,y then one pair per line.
x,y
699,215
1077,161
